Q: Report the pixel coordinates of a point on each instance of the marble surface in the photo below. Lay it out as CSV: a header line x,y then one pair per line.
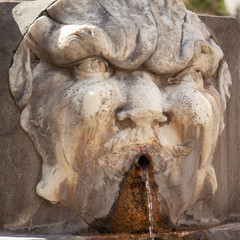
x,y
22,209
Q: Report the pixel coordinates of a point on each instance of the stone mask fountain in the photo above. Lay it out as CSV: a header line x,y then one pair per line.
x,y
124,102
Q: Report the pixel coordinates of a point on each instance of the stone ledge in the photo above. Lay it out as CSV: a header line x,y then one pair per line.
x,y
229,231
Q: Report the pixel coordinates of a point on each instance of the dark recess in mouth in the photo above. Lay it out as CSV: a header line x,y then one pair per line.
x,y
143,161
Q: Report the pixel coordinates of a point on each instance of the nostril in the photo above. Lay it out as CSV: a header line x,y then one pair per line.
x,y
121,116
161,121
123,120
143,161
167,117
124,124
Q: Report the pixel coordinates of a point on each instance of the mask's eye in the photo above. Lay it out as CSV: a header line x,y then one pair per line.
x,y
91,67
172,81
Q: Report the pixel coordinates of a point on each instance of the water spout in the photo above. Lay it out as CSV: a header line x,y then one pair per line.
x,y
143,162
145,177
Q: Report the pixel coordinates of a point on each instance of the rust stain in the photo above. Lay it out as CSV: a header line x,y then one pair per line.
x,y
130,213
161,214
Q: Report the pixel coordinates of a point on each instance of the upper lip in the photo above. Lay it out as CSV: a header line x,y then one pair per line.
x,y
143,153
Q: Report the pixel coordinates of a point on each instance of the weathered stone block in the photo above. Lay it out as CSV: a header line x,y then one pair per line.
x,y
23,211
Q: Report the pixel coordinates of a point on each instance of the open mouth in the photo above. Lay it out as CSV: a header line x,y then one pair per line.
x,y
143,160
145,156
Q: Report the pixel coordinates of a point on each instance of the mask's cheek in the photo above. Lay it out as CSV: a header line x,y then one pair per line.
x,y
196,116
90,113
189,108
81,121
211,130
206,177
67,129
42,124
94,98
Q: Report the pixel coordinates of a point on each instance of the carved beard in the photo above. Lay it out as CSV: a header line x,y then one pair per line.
x,y
101,170
129,143
173,166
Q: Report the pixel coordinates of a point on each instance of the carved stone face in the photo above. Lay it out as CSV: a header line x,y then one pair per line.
x,y
99,88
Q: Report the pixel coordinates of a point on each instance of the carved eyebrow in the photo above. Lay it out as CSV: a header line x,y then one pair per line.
x,y
128,47
63,45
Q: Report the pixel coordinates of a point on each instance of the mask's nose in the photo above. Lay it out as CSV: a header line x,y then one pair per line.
x,y
142,117
144,104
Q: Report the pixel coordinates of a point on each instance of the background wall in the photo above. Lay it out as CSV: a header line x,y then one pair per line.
x,y
227,156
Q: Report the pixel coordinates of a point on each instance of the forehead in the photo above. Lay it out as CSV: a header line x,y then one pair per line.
x,y
124,33
127,33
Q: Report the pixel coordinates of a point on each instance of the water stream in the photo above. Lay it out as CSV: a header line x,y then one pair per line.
x,y
145,177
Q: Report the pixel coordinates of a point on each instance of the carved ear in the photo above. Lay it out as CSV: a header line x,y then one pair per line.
x,y
224,82
20,76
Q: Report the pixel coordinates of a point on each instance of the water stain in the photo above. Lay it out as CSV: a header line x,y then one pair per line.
x,y
137,209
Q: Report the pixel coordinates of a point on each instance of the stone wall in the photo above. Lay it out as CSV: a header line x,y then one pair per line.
x,y
23,211
226,202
